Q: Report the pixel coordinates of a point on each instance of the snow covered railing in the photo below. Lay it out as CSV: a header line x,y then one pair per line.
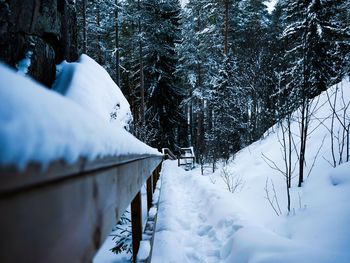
x,y
168,154
65,213
68,166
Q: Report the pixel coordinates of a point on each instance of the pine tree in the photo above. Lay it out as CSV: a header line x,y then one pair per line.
x,y
274,99
163,94
227,99
252,51
316,39
201,55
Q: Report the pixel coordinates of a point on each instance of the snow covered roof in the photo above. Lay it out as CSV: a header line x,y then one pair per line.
x,y
38,125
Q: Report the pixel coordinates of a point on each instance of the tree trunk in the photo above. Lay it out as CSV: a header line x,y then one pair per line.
x,y
142,84
226,27
190,123
98,22
303,138
117,71
289,176
253,117
84,27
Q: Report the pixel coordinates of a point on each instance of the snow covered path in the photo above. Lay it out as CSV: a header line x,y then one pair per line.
x,y
201,222
186,221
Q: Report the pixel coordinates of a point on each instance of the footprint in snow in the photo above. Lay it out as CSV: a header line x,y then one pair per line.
x,y
212,235
232,229
185,225
226,249
225,223
204,230
192,257
237,227
213,253
202,217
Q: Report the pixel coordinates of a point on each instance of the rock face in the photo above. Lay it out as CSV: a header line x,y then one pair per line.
x,y
41,32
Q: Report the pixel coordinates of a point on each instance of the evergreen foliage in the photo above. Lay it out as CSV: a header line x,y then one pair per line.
x,y
185,88
164,94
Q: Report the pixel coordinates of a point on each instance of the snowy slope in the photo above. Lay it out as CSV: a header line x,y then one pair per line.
x,y
40,125
200,221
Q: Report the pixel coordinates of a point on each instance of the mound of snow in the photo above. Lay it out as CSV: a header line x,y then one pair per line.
x,y
341,175
89,85
40,125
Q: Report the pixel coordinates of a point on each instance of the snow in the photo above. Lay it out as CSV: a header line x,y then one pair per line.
x,y
24,64
104,255
152,212
144,250
271,5
200,221
40,125
184,2
89,85
341,175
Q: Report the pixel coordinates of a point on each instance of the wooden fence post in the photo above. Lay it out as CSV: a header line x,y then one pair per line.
x,y
154,179
149,192
158,170
155,176
136,223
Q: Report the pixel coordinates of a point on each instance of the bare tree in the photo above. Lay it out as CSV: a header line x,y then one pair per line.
x,y
287,150
272,198
304,125
232,181
342,135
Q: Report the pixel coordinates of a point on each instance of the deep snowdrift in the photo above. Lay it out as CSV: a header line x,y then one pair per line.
x,y
90,86
40,125
200,221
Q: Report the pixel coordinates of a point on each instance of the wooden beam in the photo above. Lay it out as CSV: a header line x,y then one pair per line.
x,y
159,167
136,224
149,192
154,179
11,179
66,218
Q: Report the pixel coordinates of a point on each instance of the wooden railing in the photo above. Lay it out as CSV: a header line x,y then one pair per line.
x,y
187,154
65,213
189,164
168,154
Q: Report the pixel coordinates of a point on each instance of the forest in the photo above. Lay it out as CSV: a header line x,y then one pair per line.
x,y
226,69
98,95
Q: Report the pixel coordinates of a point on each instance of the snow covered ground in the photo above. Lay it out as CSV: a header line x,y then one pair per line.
x,y
40,125
199,220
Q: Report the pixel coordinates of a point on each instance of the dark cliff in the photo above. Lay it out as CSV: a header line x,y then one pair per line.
x,y
44,31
